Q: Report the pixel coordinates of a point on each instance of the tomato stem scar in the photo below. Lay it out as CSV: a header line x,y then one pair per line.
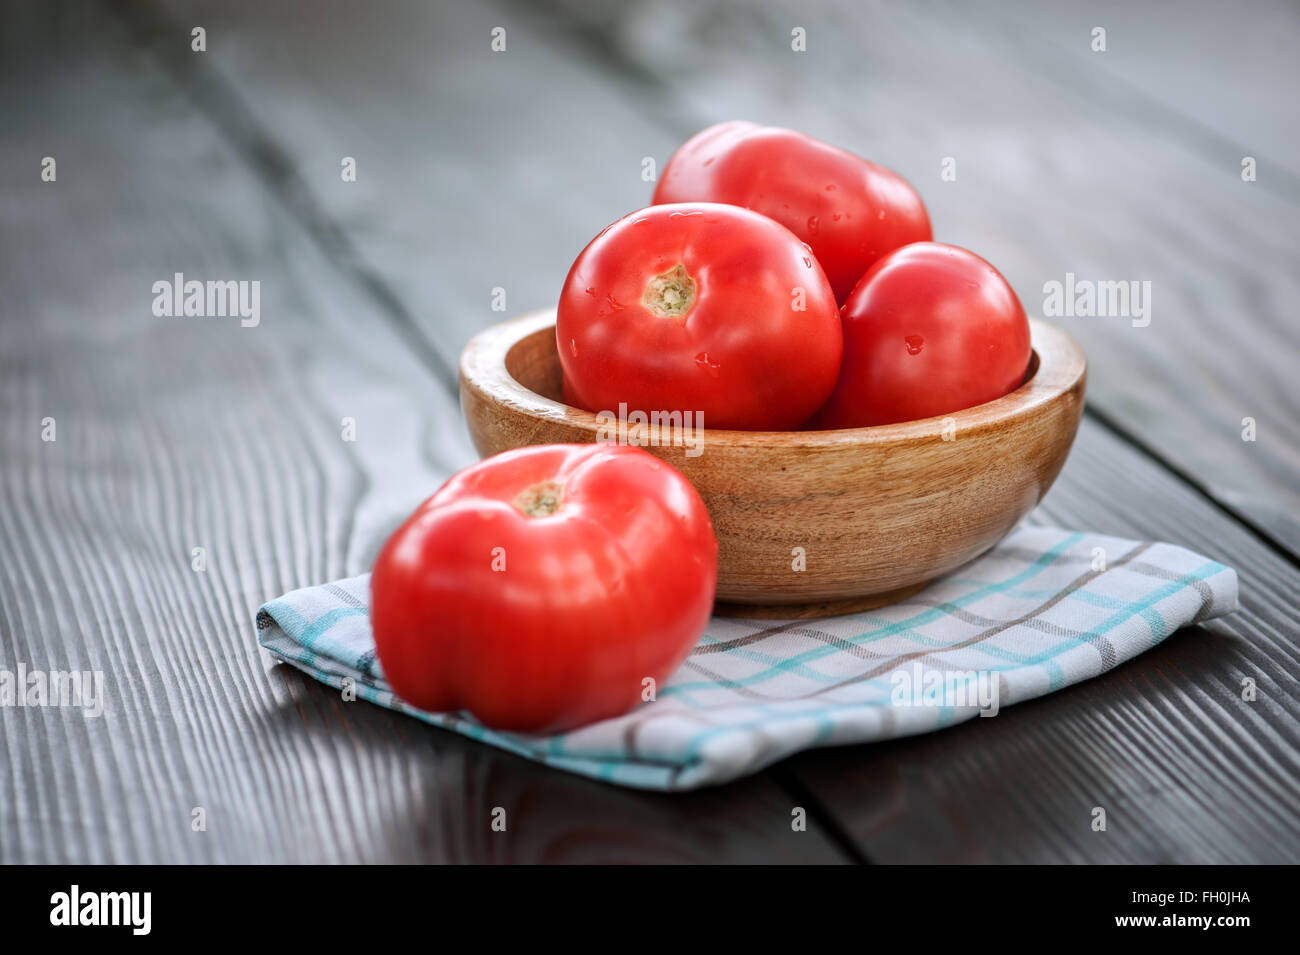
x,y
671,294
540,500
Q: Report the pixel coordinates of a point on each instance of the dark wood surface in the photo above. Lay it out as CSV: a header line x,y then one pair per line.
x,y
479,170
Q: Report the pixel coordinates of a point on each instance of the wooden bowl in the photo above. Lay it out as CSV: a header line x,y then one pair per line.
x,y
872,514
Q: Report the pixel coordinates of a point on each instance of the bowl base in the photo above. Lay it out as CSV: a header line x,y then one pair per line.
x,y
825,608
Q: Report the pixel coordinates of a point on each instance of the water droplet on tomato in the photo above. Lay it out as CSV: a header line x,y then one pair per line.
x,y
614,303
807,261
573,347
684,215
812,225
830,187
836,217
914,344
709,161
591,292
703,360
881,215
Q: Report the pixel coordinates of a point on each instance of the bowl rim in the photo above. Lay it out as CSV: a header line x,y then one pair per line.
x,y
1062,368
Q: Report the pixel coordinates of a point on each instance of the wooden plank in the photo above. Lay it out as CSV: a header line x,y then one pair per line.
x,y
177,433
1177,55
472,174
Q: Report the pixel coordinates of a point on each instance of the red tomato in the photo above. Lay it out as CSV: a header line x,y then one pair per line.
x,y
929,330
540,587
850,211
703,308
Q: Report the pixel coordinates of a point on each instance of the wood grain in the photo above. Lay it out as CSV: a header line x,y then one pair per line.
x,y
178,433
847,518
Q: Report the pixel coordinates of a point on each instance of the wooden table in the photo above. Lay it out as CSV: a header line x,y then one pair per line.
x,y
481,170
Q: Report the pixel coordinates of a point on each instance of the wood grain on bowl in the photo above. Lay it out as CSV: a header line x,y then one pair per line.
x,y
815,521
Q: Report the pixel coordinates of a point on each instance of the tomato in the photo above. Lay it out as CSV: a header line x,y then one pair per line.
x,y
929,330
539,588
850,211
700,308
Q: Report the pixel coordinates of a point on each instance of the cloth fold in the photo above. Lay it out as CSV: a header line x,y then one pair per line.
x,y
1044,609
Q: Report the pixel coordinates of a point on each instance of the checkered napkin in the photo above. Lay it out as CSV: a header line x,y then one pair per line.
x,y
1044,609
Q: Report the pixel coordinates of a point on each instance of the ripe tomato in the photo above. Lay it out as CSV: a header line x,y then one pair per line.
x,y
850,211
540,587
929,330
704,308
